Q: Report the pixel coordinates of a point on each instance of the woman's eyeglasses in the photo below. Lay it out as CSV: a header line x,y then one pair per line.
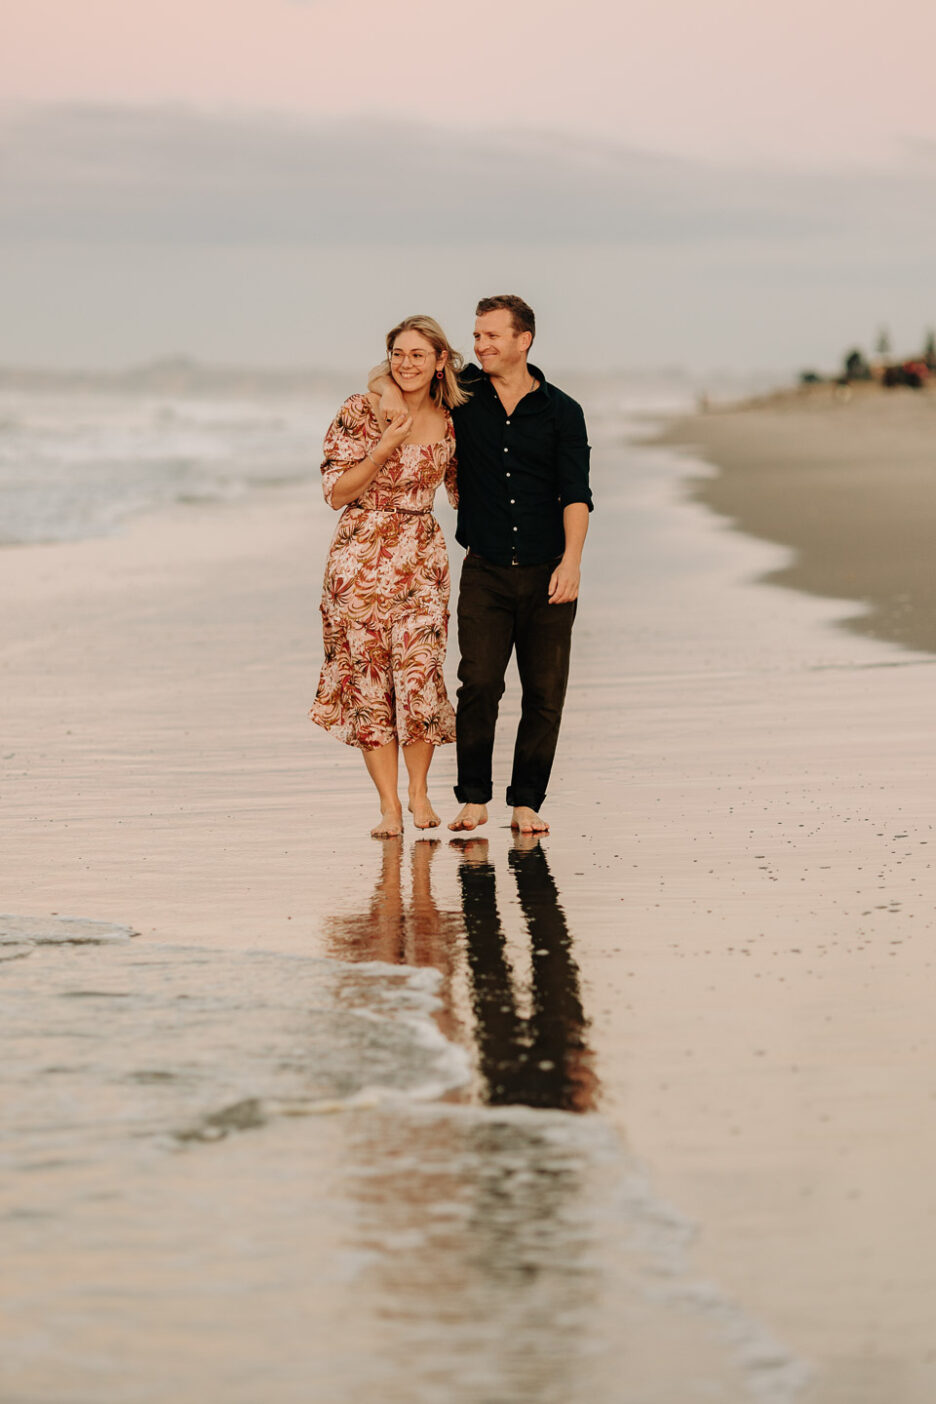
x,y
418,358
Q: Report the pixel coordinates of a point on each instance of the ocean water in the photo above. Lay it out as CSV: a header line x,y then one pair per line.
x,y
78,456
75,464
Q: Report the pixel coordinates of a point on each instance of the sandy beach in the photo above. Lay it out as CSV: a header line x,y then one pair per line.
x,y
845,478
268,1149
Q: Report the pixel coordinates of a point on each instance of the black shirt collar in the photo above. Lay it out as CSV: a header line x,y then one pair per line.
x,y
543,387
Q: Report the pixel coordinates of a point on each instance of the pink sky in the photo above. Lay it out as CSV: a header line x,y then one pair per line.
x,y
805,80
197,227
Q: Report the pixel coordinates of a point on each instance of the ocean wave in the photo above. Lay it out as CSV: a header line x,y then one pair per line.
x,y
75,465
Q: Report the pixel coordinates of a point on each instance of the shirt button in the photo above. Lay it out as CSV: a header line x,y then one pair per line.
x,y
513,501
508,421
506,475
515,528
506,450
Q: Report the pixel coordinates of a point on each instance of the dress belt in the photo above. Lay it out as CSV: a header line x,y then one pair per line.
x,y
405,511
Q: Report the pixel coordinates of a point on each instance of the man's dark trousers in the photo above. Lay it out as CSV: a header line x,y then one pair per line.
x,y
502,608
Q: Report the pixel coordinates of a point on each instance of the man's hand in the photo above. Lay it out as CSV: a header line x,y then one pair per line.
x,y
392,404
564,582
387,393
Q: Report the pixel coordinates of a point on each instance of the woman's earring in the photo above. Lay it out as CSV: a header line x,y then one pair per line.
x,y
439,373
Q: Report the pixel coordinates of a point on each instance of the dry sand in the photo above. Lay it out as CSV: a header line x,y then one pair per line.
x,y
743,848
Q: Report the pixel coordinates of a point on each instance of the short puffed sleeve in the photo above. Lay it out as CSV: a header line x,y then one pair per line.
x,y
352,432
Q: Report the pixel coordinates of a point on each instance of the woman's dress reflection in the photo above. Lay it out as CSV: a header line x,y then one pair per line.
x,y
538,1058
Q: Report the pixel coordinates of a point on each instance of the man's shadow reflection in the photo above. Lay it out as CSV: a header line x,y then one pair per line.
x,y
538,1059
541,1060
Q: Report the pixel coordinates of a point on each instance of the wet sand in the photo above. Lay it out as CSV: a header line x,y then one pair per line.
x,y
711,986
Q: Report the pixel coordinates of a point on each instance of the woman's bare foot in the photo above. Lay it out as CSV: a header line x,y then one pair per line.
x,y
470,816
391,824
424,816
528,821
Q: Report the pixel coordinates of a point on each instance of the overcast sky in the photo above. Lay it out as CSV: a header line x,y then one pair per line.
x,y
710,181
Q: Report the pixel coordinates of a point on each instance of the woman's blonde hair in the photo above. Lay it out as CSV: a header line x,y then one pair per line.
x,y
445,390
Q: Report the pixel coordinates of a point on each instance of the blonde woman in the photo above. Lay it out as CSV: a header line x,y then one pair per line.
x,y
386,592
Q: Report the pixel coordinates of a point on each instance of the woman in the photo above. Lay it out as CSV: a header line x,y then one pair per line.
x,y
385,600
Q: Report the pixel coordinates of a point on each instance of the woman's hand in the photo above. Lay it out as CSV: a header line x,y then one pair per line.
x,y
395,433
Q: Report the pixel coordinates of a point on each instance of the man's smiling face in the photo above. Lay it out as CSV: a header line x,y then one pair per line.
x,y
500,349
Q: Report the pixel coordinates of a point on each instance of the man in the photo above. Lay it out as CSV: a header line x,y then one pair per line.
x,y
524,501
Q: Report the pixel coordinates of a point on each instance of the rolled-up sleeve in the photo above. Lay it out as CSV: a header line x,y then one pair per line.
x,y
573,456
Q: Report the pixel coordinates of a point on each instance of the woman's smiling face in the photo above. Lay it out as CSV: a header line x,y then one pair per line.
x,y
413,361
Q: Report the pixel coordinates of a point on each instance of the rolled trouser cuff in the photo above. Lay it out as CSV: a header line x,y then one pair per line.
x,y
519,798
473,794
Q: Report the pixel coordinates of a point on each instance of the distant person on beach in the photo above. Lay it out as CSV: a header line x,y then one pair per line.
x,y
385,597
523,505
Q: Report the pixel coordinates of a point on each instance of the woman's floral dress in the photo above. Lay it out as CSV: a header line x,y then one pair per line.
x,y
386,592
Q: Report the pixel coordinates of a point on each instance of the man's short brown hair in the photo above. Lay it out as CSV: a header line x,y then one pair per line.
x,y
521,314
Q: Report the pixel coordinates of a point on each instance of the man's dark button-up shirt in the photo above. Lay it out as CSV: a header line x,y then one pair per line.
x,y
516,472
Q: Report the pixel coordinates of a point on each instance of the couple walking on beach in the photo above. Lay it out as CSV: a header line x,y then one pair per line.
x,y
513,453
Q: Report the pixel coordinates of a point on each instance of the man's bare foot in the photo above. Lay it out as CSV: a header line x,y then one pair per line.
x,y
391,824
470,816
424,816
528,821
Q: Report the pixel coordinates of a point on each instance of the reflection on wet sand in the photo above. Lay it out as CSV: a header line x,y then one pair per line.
x,y
508,1250
480,1219
477,1227
405,932
538,1059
